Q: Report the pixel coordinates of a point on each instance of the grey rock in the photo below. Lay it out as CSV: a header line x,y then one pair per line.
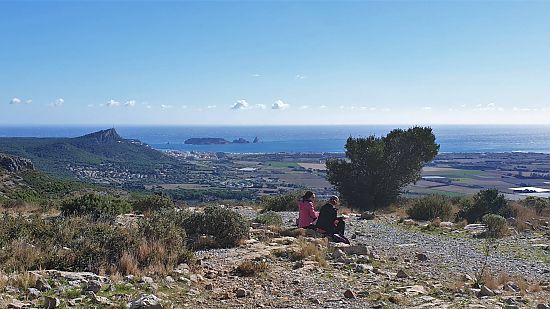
x,y
34,293
146,280
349,294
42,285
368,215
240,292
145,301
543,306
485,291
402,274
51,302
93,285
421,257
17,304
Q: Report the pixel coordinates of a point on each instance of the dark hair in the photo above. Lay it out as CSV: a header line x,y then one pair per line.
x,y
307,195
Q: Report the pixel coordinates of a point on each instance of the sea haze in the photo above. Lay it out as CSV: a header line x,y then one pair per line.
x,y
306,138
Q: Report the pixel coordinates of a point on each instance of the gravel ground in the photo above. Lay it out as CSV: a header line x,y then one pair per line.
x,y
446,254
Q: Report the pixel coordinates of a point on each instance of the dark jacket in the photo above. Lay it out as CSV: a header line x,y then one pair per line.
x,y
327,215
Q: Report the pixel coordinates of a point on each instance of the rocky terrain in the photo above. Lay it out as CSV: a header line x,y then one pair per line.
x,y
391,263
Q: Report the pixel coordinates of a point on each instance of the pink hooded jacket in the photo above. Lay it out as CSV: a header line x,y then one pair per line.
x,y
306,214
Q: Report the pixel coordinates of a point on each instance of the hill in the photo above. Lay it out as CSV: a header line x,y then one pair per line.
x,y
94,156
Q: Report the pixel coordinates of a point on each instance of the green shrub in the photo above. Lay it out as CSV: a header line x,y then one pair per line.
x,y
152,203
485,202
496,225
95,205
226,226
270,218
431,207
286,202
86,244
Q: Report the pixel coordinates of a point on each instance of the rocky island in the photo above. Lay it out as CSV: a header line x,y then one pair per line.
x,y
216,141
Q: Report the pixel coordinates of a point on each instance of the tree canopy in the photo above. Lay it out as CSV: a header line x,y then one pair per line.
x,y
377,168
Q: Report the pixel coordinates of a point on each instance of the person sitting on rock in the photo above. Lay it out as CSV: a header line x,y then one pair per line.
x,y
306,211
329,223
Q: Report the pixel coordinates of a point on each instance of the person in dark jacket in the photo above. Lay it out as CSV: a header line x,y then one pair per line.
x,y
329,222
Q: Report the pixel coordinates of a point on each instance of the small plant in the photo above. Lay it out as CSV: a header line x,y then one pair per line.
x,y
496,225
269,218
431,207
540,205
286,202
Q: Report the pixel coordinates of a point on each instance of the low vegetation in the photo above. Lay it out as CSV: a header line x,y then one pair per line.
x,y
95,204
431,207
283,202
269,218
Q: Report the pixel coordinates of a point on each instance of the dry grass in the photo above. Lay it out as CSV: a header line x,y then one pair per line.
x,y
498,281
128,265
250,268
294,232
344,211
314,251
523,215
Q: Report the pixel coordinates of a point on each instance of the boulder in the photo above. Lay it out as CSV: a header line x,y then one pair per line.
x,y
145,301
240,292
402,274
17,304
356,249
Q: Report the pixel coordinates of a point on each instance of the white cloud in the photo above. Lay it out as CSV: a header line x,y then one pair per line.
x,y
488,107
130,103
90,105
240,104
279,104
112,103
427,108
211,106
256,75
163,106
260,106
15,101
29,101
184,106
322,106
304,107
58,102
300,77
148,106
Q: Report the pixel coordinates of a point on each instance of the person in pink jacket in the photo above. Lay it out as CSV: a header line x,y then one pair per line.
x,y
306,211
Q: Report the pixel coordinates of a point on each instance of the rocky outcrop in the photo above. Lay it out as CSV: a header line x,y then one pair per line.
x,y
15,164
103,136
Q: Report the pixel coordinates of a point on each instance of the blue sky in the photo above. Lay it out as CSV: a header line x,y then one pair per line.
x,y
274,62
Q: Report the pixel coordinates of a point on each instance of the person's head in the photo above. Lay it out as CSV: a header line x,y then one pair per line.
x,y
308,196
334,200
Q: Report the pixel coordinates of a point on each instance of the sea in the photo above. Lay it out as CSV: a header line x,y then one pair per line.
x,y
272,139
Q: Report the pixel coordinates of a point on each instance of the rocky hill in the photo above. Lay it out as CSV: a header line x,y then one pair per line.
x,y
92,152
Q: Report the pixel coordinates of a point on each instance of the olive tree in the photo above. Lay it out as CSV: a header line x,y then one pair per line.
x,y
377,168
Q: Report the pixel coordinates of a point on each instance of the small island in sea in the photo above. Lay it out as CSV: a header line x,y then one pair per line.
x,y
216,141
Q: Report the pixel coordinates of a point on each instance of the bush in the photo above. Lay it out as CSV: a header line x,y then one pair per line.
x,y
286,202
226,226
431,207
250,268
485,202
152,203
537,203
270,218
496,225
95,205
